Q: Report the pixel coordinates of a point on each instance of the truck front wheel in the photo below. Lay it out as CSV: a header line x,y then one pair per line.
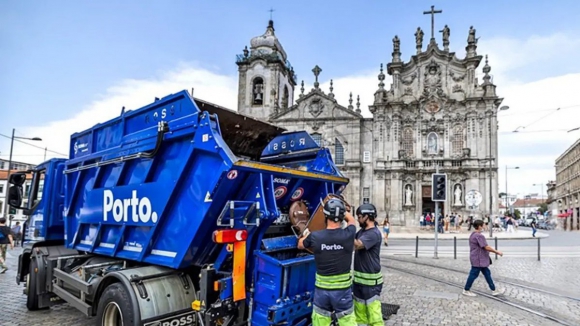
x,y
32,286
114,307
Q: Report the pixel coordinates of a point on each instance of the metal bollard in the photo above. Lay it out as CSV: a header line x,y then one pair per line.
x,y
495,247
539,249
417,247
454,247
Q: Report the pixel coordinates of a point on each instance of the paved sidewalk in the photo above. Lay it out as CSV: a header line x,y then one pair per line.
x,y
399,232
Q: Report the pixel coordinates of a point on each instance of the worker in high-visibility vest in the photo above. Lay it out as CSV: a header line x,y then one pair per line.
x,y
368,279
333,248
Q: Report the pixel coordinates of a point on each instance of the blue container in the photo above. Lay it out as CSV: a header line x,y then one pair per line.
x,y
153,184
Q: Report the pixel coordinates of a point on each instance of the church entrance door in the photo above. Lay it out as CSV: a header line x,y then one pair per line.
x,y
427,204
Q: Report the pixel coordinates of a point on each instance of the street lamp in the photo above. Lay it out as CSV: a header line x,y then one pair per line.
x,y
503,108
541,189
10,168
507,200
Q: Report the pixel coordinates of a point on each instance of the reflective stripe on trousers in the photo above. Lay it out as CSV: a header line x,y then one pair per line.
x,y
369,279
333,282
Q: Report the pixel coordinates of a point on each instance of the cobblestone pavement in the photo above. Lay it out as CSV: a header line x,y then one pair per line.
x,y
423,302
514,270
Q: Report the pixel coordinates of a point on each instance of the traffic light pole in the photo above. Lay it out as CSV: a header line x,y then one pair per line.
x,y
436,218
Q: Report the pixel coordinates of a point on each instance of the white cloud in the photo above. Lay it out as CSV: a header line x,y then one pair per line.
x,y
533,152
132,94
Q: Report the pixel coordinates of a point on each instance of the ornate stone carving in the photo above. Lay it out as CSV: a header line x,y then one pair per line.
x,y
457,89
316,124
432,80
316,106
409,81
456,78
432,106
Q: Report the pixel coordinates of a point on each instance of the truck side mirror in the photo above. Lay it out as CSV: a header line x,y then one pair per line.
x,y
15,196
17,178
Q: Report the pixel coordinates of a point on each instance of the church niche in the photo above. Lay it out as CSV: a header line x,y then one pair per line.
x,y
258,91
432,143
285,98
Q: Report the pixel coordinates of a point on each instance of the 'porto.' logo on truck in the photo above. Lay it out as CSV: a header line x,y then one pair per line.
x,y
139,208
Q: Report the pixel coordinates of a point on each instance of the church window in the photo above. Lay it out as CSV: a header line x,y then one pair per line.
x,y
366,156
285,98
457,140
338,152
258,91
366,195
408,141
317,138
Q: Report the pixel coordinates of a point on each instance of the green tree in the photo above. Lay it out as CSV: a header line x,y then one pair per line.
x,y
543,208
502,194
517,214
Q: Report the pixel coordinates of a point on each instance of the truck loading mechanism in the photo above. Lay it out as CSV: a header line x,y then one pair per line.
x,y
176,213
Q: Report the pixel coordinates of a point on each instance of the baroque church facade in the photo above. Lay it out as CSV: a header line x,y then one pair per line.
x,y
434,114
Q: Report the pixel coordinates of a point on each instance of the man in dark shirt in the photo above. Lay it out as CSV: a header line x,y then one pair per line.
x,y
333,248
368,278
5,240
480,260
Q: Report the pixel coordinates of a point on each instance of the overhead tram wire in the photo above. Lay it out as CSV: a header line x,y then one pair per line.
x,y
39,147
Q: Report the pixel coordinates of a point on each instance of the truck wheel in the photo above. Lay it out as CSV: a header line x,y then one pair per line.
x,y
31,286
115,307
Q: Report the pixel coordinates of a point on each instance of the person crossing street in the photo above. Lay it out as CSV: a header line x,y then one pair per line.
x,y
333,248
368,278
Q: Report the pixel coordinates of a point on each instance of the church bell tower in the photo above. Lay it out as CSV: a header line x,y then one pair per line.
x,y
266,78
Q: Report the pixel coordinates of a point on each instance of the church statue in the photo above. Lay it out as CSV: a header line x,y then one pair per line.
x,y
446,33
471,38
458,195
408,196
396,44
432,143
419,37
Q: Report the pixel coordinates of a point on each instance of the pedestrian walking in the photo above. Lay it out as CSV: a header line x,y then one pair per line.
x,y
479,257
510,225
386,230
533,225
6,239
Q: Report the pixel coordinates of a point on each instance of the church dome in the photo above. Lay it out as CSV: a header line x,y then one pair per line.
x,y
268,42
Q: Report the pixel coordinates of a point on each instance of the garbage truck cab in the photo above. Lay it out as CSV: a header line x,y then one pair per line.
x,y
177,213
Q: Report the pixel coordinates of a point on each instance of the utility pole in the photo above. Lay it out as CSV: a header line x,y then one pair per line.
x,y
436,217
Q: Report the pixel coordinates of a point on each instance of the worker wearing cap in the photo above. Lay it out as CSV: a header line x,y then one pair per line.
x,y
368,279
332,248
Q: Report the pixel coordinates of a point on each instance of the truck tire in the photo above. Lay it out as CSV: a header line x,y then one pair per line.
x,y
115,308
32,286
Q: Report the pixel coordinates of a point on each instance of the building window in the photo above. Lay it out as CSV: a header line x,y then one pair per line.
x,y
338,152
285,98
1,189
457,140
408,141
317,138
366,195
366,156
257,91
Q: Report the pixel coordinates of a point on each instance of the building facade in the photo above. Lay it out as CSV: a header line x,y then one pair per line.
x,y
567,190
435,113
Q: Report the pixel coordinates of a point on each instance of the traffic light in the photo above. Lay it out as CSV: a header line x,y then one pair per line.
x,y
12,210
439,187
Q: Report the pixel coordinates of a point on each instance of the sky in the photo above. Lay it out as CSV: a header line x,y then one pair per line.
x,y
69,65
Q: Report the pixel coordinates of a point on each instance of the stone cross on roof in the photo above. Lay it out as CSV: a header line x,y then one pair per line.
x,y
432,12
316,72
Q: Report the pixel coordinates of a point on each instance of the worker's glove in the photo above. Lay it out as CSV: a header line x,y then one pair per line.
x,y
306,232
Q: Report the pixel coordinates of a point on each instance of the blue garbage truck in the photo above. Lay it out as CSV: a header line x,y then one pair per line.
x,y
176,213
